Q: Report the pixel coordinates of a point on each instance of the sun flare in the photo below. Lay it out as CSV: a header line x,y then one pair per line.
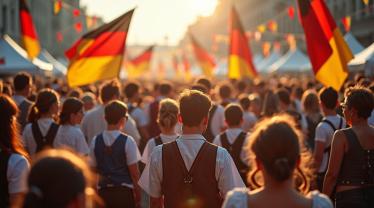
x,y
205,7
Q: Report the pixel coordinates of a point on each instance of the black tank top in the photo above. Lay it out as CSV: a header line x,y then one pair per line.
x,y
358,164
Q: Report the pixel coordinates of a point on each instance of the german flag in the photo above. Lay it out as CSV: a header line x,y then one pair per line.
x,y
206,62
28,33
240,56
328,52
141,64
98,54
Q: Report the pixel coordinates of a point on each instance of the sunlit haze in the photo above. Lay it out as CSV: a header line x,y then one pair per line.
x,y
154,21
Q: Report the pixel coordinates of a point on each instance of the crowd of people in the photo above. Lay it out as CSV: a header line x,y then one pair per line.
x,y
274,142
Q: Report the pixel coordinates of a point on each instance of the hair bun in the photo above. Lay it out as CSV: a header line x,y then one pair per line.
x,y
282,170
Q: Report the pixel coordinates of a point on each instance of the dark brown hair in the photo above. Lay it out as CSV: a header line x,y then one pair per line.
x,y
328,97
233,114
44,101
276,144
114,111
194,107
361,99
10,138
70,106
21,81
109,90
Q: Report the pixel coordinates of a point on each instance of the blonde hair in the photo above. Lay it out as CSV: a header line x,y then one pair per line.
x,y
168,113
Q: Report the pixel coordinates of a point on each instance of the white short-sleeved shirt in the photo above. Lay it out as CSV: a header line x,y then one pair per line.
x,y
324,133
151,144
218,120
371,119
109,137
238,198
67,136
189,145
94,123
18,168
139,116
232,135
249,120
18,99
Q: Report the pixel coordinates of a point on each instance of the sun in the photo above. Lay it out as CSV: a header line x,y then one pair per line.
x,y
204,7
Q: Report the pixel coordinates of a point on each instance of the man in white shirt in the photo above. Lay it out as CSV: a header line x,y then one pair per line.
x,y
328,98
93,121
190,170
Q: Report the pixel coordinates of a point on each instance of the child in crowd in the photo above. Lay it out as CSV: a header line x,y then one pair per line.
x,y
115,156
234,139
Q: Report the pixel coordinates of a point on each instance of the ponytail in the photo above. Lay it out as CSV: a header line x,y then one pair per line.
x,y
44,101
168,113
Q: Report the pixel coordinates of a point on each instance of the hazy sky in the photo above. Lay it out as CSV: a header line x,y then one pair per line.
x,y
153,20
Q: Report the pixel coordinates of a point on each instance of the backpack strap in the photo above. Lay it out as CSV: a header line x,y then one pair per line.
x,y
44,141
158,141
331,124
328,148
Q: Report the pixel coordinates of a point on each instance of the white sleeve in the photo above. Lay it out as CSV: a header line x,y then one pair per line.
x,y
80,143
130,129
142,119
132,151
151,178
17,171
227,174
148,150
92,158
320,200
237,198
321,133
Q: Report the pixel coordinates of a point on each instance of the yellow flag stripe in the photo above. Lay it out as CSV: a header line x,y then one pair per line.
x,y
334,72
32,47
138,70
238,68
90,70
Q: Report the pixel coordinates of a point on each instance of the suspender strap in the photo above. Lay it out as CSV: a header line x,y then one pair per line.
x,y
158,140
44,141
327,149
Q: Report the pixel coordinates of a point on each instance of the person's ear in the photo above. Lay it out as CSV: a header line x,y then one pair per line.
x,y
205,120
258,164
180,120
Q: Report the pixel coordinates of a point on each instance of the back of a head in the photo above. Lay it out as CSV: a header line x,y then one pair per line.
x,y
76,93
21,81
109,90
271,104
284,96
115,111
165,88
9,128
45,99
310,101
328,97
56,178
205,81
225,91
168,113
200,87
194,107
88,97
233,115
131,89
275,143
244,101
361,99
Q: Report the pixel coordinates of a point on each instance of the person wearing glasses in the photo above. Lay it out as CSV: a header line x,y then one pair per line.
x,y
351,165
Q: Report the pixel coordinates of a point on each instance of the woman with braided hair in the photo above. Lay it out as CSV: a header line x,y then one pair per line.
x,y
167,120
277,155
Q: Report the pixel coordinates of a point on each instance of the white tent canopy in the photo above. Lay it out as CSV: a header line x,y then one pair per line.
x,y
58,68
293,61
15,59
353,44
362,57
265,63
